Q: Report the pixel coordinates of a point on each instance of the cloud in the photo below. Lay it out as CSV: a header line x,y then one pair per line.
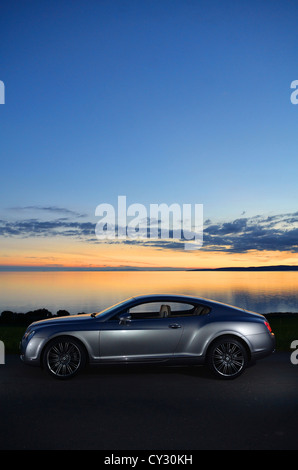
x,y
49,209
166,244
273,232
276,232
34,228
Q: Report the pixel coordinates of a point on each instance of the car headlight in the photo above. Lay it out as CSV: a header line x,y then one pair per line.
x,y
28,334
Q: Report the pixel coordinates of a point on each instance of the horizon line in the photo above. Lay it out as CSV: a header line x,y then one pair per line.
x,y
14,268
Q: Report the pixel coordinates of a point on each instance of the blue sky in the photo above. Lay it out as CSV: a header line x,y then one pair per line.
x,y
161,101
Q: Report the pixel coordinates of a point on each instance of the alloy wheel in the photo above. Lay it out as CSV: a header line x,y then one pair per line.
x,y
64,358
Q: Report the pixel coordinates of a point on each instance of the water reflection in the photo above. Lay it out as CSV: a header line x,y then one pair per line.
x,y
92,291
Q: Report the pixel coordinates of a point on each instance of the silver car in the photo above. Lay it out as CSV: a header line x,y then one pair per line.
x,y
170,329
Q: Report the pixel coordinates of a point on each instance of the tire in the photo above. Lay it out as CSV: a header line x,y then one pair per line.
x,y
227,358
64,357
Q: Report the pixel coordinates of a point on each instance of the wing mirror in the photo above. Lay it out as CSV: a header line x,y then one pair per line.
x,y
124,318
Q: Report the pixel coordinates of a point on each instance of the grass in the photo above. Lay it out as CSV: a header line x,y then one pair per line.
x,y
284,326
11,337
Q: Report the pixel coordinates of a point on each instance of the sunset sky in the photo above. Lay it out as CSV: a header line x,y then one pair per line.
x,y
163,101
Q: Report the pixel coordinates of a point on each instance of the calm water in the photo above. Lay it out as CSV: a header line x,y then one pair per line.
x,y
263,292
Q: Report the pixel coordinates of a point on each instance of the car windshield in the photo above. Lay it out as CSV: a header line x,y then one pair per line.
x,y
109,309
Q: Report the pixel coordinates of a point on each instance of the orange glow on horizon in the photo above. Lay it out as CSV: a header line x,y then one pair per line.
x,y
75,254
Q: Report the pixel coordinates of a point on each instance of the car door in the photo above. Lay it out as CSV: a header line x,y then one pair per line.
x,y
145,336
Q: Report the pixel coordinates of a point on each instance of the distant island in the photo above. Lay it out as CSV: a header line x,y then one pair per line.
x,y
251,268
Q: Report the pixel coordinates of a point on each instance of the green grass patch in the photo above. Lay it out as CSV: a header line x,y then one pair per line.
x,y
285,328
11,337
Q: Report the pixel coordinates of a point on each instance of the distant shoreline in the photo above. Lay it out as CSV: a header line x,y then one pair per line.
x,y
251,268
133,268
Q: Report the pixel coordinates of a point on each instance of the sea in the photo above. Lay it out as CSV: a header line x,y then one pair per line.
x,y
92,291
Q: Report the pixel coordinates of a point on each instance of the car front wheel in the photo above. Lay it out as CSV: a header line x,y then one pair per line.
x,y
64,357
227,358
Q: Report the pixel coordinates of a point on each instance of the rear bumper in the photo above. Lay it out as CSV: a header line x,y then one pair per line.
x,y
263,345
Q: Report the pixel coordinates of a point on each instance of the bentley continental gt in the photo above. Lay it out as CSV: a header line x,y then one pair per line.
x,y
169,329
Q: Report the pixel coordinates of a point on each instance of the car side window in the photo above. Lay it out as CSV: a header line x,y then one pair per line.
x,y
179,309
145,311
166,309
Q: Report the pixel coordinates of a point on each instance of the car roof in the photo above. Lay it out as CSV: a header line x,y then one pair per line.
x,y
174,297
184,298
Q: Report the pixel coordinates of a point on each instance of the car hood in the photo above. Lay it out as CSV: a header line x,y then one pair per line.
x,y
60,320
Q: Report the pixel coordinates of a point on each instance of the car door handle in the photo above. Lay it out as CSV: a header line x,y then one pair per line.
x,y
174,325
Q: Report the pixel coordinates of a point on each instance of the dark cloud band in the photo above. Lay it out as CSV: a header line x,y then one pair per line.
x,y
274,233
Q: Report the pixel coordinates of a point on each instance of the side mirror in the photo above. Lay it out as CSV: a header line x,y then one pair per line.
x,y
124,318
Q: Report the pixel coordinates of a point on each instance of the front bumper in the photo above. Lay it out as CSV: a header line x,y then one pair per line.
x,y
30,351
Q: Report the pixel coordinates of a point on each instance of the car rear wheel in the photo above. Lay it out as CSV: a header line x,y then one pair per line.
x,y
227,358
64,357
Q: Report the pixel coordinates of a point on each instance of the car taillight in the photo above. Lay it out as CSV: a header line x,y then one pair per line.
x,y
269,327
